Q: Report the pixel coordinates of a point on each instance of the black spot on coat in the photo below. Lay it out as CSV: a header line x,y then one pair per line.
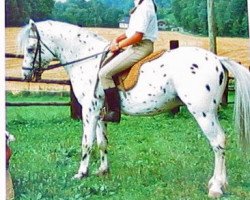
x,y
84,157
195,65
208,88
221,78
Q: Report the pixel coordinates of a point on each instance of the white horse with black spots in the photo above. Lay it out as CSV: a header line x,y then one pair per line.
x,y
188,75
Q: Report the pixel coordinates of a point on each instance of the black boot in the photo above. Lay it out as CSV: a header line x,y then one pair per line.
x,y
112,100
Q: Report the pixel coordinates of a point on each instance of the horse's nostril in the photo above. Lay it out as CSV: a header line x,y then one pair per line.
x,y
26,76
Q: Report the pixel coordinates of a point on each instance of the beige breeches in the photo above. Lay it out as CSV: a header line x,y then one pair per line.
x,y
123,61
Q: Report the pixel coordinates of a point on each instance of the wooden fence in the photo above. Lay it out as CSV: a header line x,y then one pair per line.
x,y
75,107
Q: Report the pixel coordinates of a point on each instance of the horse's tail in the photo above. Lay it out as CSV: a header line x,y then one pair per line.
x,y
242,99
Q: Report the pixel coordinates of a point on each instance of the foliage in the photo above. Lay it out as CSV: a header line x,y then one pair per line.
x,y
18,12
231,15
160,157
92,13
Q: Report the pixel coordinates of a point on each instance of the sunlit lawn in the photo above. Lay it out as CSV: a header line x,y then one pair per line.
x,y
161,157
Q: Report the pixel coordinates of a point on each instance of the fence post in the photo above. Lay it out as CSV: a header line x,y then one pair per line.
x,y
75,107
211,26
174,44
224,99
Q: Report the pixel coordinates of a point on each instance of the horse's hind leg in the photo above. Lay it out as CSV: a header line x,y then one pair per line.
x,y
209,124
102,143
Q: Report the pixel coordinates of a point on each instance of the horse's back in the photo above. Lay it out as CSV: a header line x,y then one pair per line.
x,y
197,75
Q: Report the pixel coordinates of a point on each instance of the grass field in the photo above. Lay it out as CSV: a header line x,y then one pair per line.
x,y
151,158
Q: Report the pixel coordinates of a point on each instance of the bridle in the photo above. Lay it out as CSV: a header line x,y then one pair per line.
x,y
37,71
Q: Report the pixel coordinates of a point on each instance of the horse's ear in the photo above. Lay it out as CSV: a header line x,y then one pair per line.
x,y
32,25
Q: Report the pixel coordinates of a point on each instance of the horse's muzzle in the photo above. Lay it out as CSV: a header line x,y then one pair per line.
x,y
30,74
27,73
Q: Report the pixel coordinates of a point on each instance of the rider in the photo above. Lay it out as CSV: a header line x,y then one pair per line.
x,y
139,38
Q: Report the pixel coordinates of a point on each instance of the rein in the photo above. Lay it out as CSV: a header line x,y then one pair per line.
x,y
75,61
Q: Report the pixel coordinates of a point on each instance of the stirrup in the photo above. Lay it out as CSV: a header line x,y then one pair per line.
x,y
111,116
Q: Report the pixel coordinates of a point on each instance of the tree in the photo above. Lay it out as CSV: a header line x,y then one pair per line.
x,y
41,10
231,15
238,10
18,12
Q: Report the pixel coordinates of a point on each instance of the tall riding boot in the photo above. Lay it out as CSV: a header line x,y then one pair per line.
x,y
112,99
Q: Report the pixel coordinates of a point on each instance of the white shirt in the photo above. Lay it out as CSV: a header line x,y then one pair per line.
x,y
144,20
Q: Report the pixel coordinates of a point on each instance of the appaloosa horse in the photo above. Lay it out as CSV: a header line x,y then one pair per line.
x,y
190,75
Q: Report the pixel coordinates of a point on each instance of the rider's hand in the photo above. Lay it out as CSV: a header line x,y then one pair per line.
x,y
114,47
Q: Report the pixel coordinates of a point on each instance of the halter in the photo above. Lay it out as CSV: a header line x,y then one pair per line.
x,y
39,70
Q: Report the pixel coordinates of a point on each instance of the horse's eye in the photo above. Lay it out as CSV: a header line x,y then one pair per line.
x,y
30,50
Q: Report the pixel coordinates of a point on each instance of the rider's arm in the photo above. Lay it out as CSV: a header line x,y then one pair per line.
x,y
137,37
120,38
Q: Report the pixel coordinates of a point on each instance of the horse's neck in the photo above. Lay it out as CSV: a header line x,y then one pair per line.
x,y
71,43
86,69
78,44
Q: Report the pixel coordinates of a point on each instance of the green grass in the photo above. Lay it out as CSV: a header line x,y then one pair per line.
x,y
160,157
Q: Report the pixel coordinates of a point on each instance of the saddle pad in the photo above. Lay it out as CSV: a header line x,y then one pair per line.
x,y
127,79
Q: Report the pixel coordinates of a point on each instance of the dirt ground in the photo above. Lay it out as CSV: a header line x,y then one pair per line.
x,y
235,48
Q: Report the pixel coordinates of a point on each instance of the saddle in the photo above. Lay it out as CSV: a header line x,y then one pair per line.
x,y
128,78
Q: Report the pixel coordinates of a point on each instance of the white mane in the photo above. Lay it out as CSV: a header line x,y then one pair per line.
x,y
22,38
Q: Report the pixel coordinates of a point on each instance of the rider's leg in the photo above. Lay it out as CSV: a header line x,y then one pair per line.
x,y
121,62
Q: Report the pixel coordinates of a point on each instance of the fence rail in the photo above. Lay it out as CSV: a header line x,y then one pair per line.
x,y
60,82
11,55
75,107
38,104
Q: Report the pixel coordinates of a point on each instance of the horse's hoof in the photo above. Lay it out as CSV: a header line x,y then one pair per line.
x,y
80,176
102,172
215,194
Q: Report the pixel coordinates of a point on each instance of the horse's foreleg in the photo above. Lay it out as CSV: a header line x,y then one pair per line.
x,y
210,125
102,142
88,138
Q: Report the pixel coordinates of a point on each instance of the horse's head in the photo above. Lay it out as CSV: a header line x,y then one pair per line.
x,y
37,55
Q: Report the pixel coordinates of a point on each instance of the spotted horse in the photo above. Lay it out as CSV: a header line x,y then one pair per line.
x,y
188,75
